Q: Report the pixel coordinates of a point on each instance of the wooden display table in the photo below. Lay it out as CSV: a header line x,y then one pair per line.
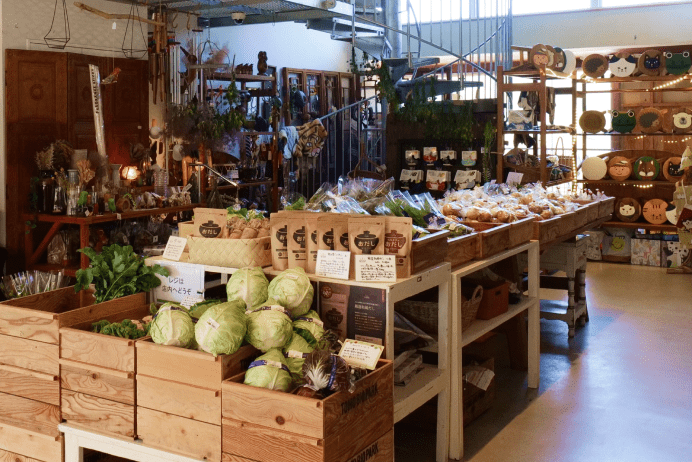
x,y
84,222
479,327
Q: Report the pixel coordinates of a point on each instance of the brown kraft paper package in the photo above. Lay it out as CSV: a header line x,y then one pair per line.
x,y
211,223
311,226
297,254
325,231
397,241
279,235
365,237
340,227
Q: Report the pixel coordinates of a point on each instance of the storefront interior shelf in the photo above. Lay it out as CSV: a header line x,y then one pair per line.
x,y
481,327
426,384
630,182
640,225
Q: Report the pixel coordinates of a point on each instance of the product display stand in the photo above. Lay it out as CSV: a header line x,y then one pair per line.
x,y
481,327
76,440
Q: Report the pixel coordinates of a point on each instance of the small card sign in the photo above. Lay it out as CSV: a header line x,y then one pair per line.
x,y
183,280
174,248
375,268
190,300
361,354
514,178
333,264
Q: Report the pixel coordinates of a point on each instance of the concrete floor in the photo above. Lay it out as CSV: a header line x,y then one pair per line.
x,y
620,390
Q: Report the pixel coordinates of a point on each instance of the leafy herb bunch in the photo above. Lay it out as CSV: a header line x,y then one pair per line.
x,y
117,272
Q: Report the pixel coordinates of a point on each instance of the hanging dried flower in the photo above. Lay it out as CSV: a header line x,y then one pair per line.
x,y
44,159
86,174
62,180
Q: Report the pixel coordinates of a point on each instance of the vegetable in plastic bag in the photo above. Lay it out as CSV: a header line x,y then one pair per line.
x,y
295,352
269,371
248,285
310,327
292,290
222,328
325,373
269,327
173,326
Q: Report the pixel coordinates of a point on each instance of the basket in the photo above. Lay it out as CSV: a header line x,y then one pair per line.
x,y
230,253
469,307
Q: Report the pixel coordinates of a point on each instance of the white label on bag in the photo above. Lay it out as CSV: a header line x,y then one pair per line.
x,y
294,354
333,264
213,324
405,175
438,176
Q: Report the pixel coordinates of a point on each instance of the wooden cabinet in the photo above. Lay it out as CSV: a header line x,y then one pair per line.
x,y
49,98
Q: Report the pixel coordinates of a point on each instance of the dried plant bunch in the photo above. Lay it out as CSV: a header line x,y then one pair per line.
x,y
44,158
86,174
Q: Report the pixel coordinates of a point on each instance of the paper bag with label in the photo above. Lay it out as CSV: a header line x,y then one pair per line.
x,y
279,235
365,237
312,245
340,231
297,255
397,241
465,179
210,223
325,232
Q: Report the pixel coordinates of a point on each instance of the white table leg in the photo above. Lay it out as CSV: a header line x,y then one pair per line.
x,y
534,340
443,398
456,424
73,451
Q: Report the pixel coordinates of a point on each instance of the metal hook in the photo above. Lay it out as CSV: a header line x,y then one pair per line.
x,y
188,22
174,25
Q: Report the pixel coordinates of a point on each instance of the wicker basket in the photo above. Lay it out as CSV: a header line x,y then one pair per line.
x,y
230,253
425,314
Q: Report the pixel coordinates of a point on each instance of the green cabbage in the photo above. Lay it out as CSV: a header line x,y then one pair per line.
x,y
221,329
198,309
249,285
294,353
310,327
173,326
269,327
269,371
292,290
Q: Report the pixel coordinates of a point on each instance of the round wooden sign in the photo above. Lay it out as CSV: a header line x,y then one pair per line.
x,y
671,214
560,59
624,122
541,56
592,121
570,62
594,65
594,168
652,62
671,169
628,210
654,211
647,168
622,65
619,168
678,63
650,120
679,120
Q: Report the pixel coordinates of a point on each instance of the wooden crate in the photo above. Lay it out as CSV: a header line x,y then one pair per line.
x,y
493,238
31,445
179,397
521,232
567,223
29,414
581,217
461,249
6,456
381,450
547,230
97,377
271,426
606,207
427,251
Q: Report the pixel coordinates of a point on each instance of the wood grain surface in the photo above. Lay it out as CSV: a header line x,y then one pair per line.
x,y
29,354
31,444
99,383
24,383
29,414
98,414
180,399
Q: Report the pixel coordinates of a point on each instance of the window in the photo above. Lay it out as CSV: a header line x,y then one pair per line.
x,y
548,6
616,3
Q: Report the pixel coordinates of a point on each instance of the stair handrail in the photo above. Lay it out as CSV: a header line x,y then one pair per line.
x,y
338,111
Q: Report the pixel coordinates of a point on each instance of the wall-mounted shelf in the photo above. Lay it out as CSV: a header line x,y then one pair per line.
x,y
640,225
630,182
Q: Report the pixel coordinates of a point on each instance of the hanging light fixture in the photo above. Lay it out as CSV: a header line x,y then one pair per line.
x,y
128,47
58,37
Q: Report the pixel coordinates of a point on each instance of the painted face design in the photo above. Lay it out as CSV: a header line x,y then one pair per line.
x,y
678,63
618,244
652,62
682,121
674,169
627,210
624,122
622,65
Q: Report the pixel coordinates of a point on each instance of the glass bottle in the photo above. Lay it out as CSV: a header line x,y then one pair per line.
x,y
45,192
59,202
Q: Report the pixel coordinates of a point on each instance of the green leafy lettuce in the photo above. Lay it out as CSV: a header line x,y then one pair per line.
x,y
222,328
269,371
269,327
248,285
173,326
292,290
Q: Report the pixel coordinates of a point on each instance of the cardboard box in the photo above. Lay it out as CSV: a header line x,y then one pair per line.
x,y
495,300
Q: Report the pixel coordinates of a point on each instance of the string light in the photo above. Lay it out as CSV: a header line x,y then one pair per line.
x,y
668,84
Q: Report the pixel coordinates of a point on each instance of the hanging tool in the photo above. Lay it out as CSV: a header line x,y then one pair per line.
x,y
105,15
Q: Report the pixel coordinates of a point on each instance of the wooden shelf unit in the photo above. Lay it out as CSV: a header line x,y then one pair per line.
x,y
640,225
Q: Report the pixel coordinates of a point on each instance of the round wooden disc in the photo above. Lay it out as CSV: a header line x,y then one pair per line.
x,y
650,120
679,120
628,210
594,168
592,121
560,60
541,56
619,168
570,62
647,168
652,62
594,66
671,214
671,169
622,65
654,211
678,63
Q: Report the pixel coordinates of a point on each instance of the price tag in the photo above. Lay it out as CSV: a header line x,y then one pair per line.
x,y
333,264
174,248
375,268
119,216
191,300
155,239
514,178
361,354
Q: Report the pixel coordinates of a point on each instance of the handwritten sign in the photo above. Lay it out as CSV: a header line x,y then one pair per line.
x,y
333,264
174,248
191,300
184,280
361,354
514,178
375,268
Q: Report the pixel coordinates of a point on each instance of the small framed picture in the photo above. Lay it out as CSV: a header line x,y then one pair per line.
x,y
430,155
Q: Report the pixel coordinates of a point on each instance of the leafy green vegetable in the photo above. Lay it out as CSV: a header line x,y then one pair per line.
x,y
198,309
297,205
172,325
222,328
124,329
310,327
248,285
269,371
295,353
116,272
269,327
292,290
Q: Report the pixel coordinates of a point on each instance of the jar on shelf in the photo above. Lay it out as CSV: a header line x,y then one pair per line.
x,y
59,200
45,192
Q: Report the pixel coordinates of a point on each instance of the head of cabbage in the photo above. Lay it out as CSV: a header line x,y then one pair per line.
x,y
269,327
248,285
198,309
292,290
222,328
173,326
295,353
310,327
269,371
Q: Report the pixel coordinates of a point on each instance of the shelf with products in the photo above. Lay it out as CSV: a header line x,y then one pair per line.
x,y
640,225
661,183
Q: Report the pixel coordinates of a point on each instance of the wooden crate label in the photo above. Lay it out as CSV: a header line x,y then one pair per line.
x,y
359,399
100,382
98,414
381,450
29,354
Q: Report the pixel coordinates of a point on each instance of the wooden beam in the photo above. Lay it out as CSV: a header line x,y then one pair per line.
x,y
105,15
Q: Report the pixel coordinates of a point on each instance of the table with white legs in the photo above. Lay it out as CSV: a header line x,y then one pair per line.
x,y
530,303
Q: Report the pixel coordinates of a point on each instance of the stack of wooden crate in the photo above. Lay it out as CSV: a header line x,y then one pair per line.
x,y
30,368
179,397
97,376
261,425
